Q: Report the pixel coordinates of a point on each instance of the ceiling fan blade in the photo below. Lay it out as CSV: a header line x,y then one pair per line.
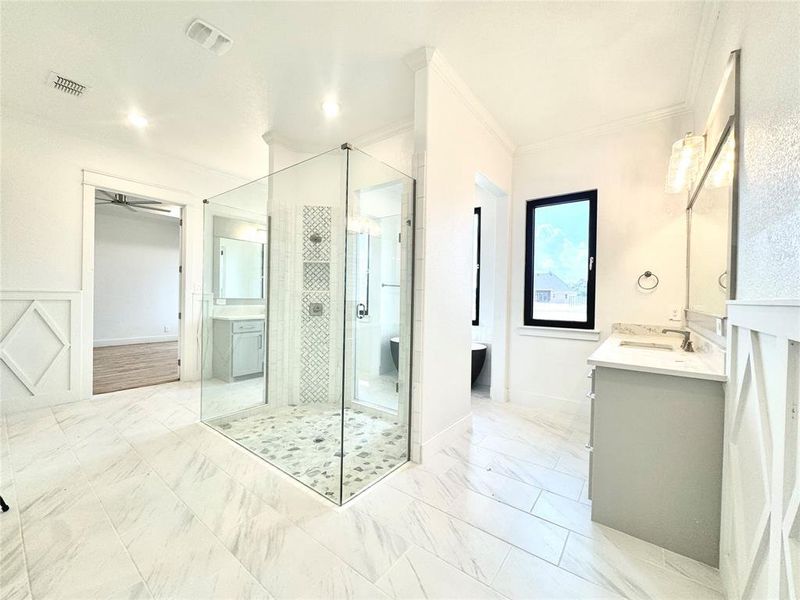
x,y
108,195
135,202
126,206
161,210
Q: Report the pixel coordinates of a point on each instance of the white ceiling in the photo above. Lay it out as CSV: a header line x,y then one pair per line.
x,y
542,69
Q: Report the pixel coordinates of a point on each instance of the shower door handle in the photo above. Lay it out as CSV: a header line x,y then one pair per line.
x,y
361,310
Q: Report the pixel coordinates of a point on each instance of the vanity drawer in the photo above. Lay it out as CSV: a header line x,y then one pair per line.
x,y
248,326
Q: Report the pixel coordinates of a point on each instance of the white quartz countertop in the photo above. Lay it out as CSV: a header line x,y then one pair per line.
x,y
697,365
239,318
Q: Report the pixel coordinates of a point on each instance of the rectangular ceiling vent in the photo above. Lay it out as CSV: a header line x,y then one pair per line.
x,y
209,37
66,85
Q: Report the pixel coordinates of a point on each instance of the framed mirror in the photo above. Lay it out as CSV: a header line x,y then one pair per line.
x,y
711,216
239,260
711,274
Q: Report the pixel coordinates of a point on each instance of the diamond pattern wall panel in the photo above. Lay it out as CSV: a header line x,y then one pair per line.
x,y
39,359
315,327
316,276
316,233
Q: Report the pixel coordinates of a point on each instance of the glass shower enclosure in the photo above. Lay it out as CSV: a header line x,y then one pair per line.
x,y
307,318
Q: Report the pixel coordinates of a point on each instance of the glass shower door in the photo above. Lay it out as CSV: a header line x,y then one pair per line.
x,y
377,321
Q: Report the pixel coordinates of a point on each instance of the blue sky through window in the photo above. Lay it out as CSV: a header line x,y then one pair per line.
x,y
562,241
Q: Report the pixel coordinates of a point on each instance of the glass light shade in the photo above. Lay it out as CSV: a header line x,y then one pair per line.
x,y
684,163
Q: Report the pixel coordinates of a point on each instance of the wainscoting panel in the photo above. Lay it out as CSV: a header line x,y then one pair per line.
x,y
760,537
39,349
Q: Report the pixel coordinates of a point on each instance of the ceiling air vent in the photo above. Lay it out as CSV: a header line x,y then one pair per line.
x,y
209,37
63,84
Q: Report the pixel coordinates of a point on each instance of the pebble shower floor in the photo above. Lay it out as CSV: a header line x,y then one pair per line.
x,y
304,441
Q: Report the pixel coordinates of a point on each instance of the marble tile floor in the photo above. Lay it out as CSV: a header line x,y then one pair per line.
x,y
128,496
306,441
221,398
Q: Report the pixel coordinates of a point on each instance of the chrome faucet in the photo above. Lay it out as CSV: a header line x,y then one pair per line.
x,y
686,344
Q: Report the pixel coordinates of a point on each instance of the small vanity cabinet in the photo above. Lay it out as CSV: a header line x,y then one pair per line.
x,y
656,448
238,348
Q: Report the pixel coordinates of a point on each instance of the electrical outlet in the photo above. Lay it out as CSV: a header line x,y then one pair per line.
x,y
166,329
675,314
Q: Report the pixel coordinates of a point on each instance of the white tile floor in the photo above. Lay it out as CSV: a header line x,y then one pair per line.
x,y
128,496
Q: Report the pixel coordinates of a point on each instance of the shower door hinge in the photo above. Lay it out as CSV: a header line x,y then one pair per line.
x,y
180,268
399,237
180,223
179,362
397,387
179,316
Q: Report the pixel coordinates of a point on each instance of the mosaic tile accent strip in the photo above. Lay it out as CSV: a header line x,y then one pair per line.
x,y
317,222
315,349
305,441
316,276
315,327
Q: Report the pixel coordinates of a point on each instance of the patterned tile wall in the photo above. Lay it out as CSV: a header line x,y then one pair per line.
x,y
315,329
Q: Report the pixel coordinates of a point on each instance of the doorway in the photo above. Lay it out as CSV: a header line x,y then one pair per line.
x,y
137,292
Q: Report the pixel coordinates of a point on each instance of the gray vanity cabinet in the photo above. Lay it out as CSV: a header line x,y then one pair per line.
x,y
238,348
656,458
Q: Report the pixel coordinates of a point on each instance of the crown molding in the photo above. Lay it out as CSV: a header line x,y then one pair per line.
x,y
272,137
708,23
385,132
432,58
420,58
611,127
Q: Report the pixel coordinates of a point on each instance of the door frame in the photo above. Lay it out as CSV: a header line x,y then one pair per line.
x,y
91,181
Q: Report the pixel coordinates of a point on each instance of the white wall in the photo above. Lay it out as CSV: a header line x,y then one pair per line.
x,y
136,279
397,150
769,172
41,232
640,228
454,140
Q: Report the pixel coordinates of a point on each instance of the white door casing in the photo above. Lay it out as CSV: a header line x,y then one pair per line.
x,y
191,260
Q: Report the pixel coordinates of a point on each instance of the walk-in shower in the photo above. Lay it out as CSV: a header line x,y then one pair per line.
x,y
308,277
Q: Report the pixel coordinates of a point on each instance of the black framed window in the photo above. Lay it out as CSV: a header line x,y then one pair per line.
x,y
560,262
476,264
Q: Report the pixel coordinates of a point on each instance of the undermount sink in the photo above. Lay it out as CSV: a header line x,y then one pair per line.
x,y
648,345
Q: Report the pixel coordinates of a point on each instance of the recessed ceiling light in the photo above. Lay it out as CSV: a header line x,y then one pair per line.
x,y
330,108
137,120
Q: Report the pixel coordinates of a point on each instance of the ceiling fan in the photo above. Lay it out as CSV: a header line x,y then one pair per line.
x,y
134,204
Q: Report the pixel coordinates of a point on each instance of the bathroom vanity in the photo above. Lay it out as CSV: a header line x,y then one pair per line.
x,y
238,347
656,441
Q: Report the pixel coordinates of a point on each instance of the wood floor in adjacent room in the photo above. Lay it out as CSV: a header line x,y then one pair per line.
x,y
134,365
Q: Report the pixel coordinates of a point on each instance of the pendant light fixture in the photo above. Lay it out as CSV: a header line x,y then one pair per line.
x,y
684,163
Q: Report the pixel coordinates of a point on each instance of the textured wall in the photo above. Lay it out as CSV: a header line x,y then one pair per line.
x,y
769,191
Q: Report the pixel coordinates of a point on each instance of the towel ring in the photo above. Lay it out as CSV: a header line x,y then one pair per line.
x,y
647,275
724,286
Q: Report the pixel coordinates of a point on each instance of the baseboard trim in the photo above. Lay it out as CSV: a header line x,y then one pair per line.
x,y
137,340
445,437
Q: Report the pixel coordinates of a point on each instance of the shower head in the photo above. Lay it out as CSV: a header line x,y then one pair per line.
x,y
315,238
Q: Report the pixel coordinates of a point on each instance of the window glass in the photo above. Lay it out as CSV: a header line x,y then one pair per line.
x,y
560,261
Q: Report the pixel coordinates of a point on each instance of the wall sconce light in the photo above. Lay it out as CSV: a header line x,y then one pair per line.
x,y
684,163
